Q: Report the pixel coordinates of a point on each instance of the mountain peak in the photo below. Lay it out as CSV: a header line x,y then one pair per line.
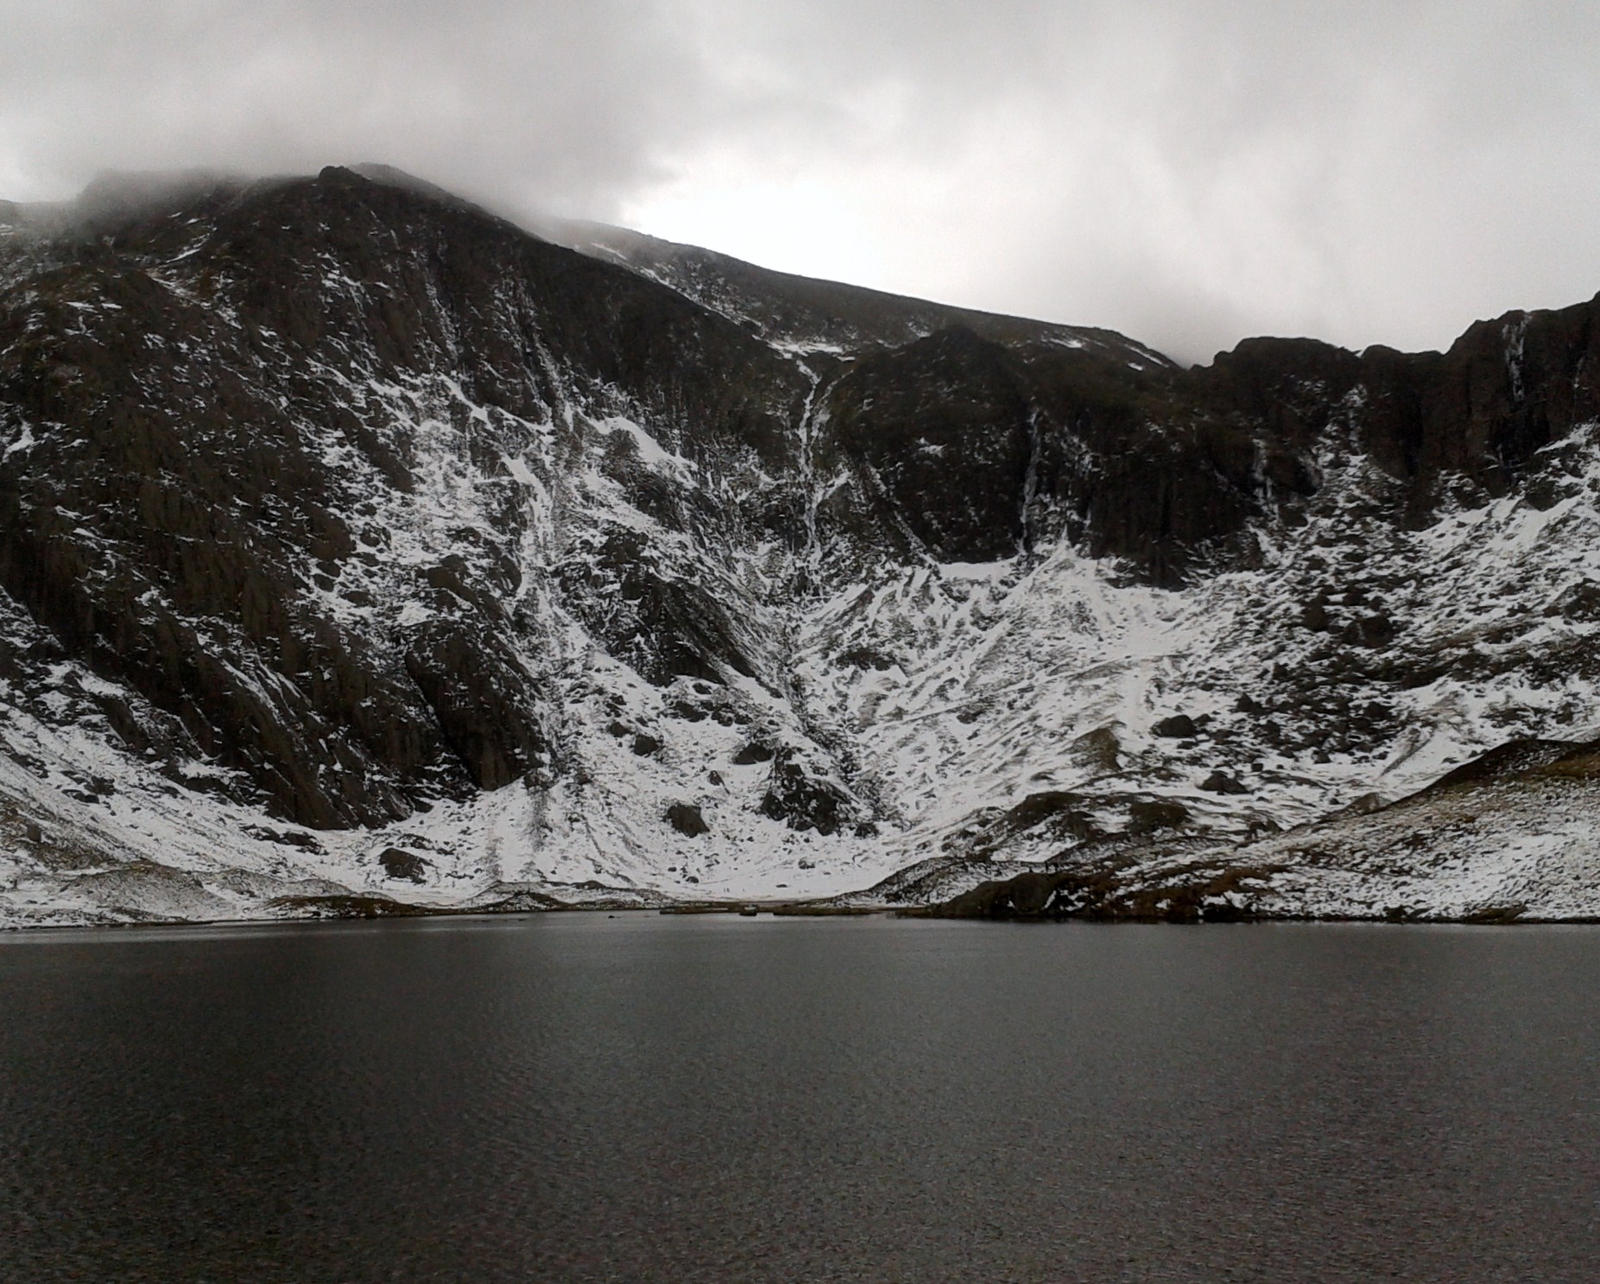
x,y
357,543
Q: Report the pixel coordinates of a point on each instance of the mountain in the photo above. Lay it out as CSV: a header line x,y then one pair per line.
x,y
362,552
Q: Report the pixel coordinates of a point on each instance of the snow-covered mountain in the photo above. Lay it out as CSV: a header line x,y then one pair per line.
x,y
361,551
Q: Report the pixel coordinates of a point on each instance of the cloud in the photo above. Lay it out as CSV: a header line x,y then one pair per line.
x,y
1189,173
543,97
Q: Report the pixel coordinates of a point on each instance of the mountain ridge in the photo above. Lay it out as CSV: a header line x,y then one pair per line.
x,y
355,543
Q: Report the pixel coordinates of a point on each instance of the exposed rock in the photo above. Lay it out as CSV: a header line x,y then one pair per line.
x,y
1580,602
336,503
801,800
1099,748
399,863
866,658
687,820
1180,726
1145,815
1185,893
485,700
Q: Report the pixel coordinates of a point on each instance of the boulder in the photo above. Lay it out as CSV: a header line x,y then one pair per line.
x,y
687,820
398,863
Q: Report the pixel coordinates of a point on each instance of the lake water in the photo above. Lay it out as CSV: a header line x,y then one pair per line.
x,y
646,1098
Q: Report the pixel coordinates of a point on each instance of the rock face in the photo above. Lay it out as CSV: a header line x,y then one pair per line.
x,y
1505,838
342,522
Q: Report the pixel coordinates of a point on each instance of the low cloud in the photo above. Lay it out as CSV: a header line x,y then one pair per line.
x,y
1189,173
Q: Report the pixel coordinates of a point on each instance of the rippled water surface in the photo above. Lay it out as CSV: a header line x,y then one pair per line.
x,y
645,1098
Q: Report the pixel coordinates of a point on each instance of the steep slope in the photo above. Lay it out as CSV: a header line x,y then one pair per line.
x,y
806,316
1509,836
357,544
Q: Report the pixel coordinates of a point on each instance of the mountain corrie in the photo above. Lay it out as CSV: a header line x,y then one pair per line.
x,y
361,552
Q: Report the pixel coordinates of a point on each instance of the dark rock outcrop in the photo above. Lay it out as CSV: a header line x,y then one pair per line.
x,y
687,820
1179,726
399,863
801,800
1184,892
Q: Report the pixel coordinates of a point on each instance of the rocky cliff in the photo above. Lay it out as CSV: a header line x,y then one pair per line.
x,y
358,548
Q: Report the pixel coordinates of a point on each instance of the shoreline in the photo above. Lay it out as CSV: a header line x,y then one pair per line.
x,y
783,909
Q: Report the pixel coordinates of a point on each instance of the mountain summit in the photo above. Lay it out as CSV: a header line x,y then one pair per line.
x,y
362,552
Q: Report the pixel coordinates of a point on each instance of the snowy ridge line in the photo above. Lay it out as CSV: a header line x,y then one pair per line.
x,y
543,613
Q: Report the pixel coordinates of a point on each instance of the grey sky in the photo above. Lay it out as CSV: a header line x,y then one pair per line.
x,y
1189,173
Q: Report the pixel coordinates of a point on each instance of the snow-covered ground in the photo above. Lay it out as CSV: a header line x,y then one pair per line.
x,y
1014,711
954,692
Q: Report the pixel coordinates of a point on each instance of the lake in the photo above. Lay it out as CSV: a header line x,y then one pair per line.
x,y
659,1098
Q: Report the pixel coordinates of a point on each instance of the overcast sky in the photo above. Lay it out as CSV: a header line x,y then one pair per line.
x,y
1189,173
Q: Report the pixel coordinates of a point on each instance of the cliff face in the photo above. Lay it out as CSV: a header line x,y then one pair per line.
x,y
347,530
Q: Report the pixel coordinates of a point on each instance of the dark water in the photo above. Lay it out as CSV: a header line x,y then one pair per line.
x,y
724,1099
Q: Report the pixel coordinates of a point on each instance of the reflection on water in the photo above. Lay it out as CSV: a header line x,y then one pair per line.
x,y
582,1097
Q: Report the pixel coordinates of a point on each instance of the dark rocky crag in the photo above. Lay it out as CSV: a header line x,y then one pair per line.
x,y
166,533
343,500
